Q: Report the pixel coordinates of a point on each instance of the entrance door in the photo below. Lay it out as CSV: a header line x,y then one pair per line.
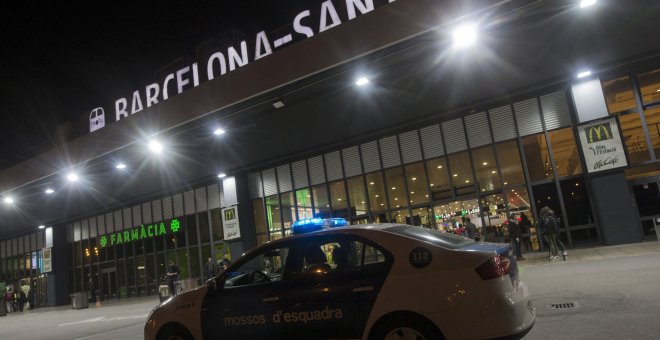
x,y
647,196
108,284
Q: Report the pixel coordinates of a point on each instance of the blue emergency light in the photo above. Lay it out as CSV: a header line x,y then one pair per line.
x,y
314,224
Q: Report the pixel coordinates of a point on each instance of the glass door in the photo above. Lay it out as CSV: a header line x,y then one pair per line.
x,y
108,284
647,196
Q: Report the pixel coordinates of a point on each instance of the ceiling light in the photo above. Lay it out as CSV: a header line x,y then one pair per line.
x,y
587,3
156,147
439,166
120,166
492,172
223,175
278,104
49,191
465,36
484,163
42,226
9,200
218,132
72,177
584,74
362,81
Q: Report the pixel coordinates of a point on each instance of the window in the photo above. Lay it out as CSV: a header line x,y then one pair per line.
x,y
337,254
576,202
203,220
461,173
357,196
257,212
376,192
649,85
321,203
396,187
537,157
417,185
338,197
273,215
619,96
304,204
191,229
267,266
438,178
565,152
486,169
653,123
634,137
510,165
288,209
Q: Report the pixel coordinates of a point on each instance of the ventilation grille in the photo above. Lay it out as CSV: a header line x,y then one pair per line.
x,y
270,182
300,178
200,199
432,141
167,208
528,117
370,156
177,205
504,127
146,213
214,196
478,130
555,110
410,149
333,166
284,178
454,135
137,215
352,165
157,210
563,306
316,170
390,152
254,185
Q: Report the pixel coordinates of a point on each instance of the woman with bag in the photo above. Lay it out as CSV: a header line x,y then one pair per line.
x,y
550,226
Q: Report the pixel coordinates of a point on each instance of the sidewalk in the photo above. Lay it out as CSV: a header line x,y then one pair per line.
x,y
598,252
106,303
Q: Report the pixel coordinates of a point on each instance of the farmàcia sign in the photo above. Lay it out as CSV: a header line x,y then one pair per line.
x,y
219,63
140,233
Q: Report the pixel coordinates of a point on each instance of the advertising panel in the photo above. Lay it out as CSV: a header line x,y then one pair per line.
x,y
601,145
47,260
230,223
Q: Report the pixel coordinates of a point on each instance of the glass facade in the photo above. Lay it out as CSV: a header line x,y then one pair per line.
x,y
21,265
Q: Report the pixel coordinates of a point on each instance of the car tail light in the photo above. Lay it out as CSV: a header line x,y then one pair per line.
x,y
497,266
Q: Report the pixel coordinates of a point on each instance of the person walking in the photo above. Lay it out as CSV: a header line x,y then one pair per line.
x,y
211,269
525,226
21,300
172,277
9,300
550,229
471,229
30,298
515,234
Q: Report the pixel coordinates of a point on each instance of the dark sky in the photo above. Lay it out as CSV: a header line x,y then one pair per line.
x,y
61,59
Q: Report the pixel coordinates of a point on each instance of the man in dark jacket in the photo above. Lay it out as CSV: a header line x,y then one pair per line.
x,y
515,234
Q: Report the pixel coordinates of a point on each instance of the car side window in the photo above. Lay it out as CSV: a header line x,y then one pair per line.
x,y
267,266
337,254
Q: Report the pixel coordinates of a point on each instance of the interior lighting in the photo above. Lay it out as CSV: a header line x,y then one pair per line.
x,y
120,166
465,36
49,191
72,177
278,104
455,175
155,147
223,175
219,132
8,200
42,226
362,81
584,74
587,3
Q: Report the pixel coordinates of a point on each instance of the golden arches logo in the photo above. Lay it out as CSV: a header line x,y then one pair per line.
x,y
598,133
230,214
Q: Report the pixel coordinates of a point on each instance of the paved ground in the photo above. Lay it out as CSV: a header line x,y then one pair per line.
x,y
614,290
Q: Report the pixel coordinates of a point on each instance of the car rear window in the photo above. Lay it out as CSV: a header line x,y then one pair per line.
x,y
436,237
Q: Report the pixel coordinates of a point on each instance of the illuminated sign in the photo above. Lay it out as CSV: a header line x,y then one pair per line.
x,y
47,260
232,58
601,145
140,233
230,224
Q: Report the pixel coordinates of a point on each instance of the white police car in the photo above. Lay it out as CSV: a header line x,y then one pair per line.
x,y
378,281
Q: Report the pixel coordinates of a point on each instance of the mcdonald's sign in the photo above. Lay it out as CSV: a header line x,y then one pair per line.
x,y
230,224
599,133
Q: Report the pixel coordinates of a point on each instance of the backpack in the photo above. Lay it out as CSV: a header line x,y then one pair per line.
x,y
550,225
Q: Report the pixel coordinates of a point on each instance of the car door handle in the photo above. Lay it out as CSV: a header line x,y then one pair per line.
x,y
271,299
363,289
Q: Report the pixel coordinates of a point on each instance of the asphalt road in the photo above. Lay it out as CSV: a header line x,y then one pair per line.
x,y
614,292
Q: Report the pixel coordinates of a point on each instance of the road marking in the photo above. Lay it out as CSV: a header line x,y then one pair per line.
x,y
104,319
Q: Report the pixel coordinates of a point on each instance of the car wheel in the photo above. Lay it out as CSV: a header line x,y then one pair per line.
x,y
406,328
174,332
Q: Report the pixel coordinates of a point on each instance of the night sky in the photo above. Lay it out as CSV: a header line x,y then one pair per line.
x,y
62,59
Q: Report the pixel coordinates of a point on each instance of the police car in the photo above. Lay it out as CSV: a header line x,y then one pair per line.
x,y
376,281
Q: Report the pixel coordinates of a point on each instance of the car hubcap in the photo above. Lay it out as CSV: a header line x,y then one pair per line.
x,y
404,333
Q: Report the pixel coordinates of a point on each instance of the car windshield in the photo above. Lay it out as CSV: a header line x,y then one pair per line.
x,y
436,237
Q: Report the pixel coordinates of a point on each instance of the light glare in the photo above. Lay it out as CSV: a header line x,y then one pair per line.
x,y
120,166
362,81
222,175
587,3
155,147
218,132
9,200
42,226
584,74
49,191
465,36
72,177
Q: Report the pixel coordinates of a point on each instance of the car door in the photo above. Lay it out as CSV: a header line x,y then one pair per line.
x,y
247,296
332,299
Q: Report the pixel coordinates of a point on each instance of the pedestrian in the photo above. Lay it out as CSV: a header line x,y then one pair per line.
x,y
172,277
30,298
515,234
525,225
92,289
472,231
22,299
460,230
9,300
211,269
225,262
550,228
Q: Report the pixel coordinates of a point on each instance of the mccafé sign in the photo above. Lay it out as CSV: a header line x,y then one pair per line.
x,y
228,59
602,146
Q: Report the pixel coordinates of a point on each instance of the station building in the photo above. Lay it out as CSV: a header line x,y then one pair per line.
x,y
366,110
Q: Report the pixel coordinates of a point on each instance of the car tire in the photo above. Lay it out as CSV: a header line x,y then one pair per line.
x,y
174,332
406,327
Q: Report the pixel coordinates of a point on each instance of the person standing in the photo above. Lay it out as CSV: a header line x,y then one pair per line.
x,y
172,277
525,226
550,229
21,299
30,298
225,262
92,289
9,300
211,269
515,234
471,229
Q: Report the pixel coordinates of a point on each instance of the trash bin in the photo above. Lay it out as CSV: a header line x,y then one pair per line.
x,y
79,300
163,292
3,308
